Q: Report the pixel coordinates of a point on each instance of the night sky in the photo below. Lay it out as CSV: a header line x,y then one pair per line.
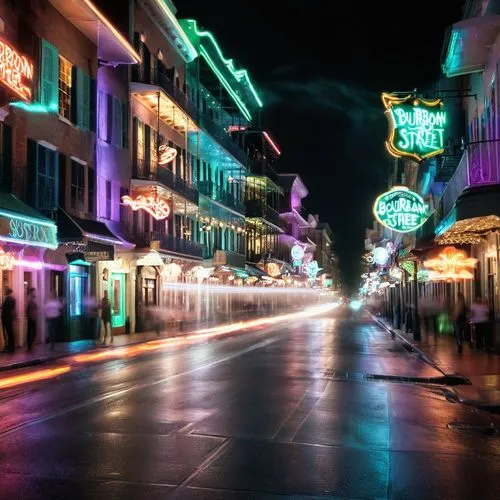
x,y
320,66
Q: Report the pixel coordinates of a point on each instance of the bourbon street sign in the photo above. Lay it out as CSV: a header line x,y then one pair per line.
x,y
400,209
416,126
16,71
27,230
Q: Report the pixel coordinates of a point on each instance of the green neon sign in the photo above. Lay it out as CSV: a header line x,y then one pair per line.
x,y
401,210
416,126
26,230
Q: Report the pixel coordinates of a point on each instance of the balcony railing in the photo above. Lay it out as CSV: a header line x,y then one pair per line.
x,y
259,208
223,138
214,192
167,242
479,166
166,177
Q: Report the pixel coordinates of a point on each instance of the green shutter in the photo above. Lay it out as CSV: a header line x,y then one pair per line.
x,y
85,117
49,76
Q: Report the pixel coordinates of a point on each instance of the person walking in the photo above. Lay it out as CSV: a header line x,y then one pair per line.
x,y
106,317
480,316
8,317
92,316
32,316
460,321
53,312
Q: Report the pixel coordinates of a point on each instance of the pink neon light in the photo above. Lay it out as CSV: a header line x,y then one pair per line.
x,y
271,143
158,208
36,264
166,154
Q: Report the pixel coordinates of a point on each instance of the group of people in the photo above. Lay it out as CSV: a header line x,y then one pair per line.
x,y
469,324
53,311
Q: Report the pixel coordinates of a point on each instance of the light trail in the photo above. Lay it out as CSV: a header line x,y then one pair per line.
x,y
132,351
33,377
237,290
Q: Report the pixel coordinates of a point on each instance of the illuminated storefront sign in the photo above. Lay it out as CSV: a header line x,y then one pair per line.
x,y
153,205
312,269
27,231
273,269
400,209
166,154
451,264
16,71
416,126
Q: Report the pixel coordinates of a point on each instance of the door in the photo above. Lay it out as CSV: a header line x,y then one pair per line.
x,y
116,294
78,284
149,292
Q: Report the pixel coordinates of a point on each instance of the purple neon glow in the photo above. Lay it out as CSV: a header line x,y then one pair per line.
x,y
36,264
112,241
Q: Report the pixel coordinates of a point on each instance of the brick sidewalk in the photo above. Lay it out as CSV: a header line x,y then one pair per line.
x,y
480,367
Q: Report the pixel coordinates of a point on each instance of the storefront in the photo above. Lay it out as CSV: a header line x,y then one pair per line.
x,y
89,247
25,237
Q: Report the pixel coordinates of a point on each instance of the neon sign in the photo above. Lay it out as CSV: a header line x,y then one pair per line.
x,y
27,231
166,154
400,209
16,71
451,264
157,207
416,126
297,252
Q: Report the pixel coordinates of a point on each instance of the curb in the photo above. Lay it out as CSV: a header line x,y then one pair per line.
x,y
454,378
453,396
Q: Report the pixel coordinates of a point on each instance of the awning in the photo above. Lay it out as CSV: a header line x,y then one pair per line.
x,y
476,213
22,224
75,230
112,46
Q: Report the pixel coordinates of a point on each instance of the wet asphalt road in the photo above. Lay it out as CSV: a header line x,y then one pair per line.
x,y
274,413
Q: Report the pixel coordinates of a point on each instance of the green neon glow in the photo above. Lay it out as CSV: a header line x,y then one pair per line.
x,y
31,108
238,74
233,94
118,310
14,233
417,126
401,210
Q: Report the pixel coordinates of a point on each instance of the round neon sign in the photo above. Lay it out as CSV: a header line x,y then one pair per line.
x,y
401,210
297,252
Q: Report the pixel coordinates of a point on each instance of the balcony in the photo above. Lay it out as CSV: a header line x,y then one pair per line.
x,y
467,44
258,208
214,192
168,243
166,177
217,132
479,166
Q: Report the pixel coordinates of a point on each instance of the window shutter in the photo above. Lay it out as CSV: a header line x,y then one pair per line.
x,y
49,80
93,106
74,94
135,125
62,180
7,157
138,69
125,139
84,81
147,148
109,118
103,120
117,122
31,172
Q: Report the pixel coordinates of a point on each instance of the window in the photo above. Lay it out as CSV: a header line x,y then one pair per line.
x,y
108,199
77,185
91,190
140,146
44,166
65,69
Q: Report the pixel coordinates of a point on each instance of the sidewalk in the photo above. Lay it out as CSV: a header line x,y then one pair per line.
x,y
480,367
42,353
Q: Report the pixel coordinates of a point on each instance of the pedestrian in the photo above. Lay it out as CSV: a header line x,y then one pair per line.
x,y
53,313
92,316
460,321
480,316
106,317
8,317
32,316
